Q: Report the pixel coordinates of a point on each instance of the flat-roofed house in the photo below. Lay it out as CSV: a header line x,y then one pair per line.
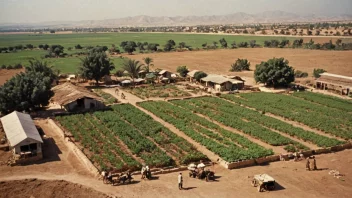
x,y
338,83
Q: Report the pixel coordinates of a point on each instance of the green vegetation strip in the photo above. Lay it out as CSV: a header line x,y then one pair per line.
x,y
227,113
330,101
157,92
330,120
229,146
108,98
235,121
173,144
94,138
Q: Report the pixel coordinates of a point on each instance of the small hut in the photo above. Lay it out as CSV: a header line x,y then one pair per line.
x,y
23,137
337,83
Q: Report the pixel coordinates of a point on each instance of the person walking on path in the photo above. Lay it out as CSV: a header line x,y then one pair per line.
x,y
180,181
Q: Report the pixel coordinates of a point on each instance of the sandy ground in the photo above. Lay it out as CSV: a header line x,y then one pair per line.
x,y
7,74
219,61
41,188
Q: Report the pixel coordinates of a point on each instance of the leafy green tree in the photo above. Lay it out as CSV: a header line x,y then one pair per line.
x,y
29,46
252,43
199,75
133,68
153,47
317,72
182,70
56,50
300,74
223,43
148,62
182,45
233,45
128,46
38,66
274,72
25,91
52,31
169,45
240,65
46,46
78,46
95,66
40,46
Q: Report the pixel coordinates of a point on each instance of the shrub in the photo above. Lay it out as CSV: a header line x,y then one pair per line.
x,y
300,74
200,74
317,72
182,70
240,65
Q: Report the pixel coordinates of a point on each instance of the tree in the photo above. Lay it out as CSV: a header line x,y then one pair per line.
x,y
46,46
317,72
148,62
95,66
233,45
128,46
182,70
240,65
133,68
182,45
40,46
56,50
38,66
52,31
199,75
223,43
252,43
78,46
300,74
169,45
215,44
29,46
24,92
274,72
153,47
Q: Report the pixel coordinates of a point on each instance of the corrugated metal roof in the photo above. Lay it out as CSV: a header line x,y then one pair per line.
x,y
162,72
19,127
336,76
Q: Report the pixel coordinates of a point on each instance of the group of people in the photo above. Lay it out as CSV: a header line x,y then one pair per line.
x,y
311,163
145,171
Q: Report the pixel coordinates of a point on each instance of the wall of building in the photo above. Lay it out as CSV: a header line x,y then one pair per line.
x,y
88,103
17,148
71,105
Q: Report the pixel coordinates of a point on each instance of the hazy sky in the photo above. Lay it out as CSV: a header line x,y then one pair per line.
x,y
19,11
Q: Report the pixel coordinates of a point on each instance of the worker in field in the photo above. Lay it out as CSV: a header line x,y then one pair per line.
x,y
143,172
308,164
180,181
313,164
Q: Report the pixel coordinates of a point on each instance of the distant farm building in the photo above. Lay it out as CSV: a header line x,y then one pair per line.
x,y
221,83
165,74
72,97
23,137
338,83
191,74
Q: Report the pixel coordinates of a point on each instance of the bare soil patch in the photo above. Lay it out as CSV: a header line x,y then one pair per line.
x,y
41,188
6,74
219,61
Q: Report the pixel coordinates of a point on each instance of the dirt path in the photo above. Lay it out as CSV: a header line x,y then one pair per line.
x,y
130,98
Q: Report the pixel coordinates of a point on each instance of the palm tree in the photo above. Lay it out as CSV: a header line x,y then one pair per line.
x,y
133,68
148,62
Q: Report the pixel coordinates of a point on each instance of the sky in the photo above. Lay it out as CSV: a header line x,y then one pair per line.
x,y
33,11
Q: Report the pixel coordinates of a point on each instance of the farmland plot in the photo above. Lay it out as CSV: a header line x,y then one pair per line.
x,y
330,120
231,115
116,139
229,146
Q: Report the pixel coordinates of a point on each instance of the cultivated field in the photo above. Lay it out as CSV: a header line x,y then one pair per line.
x,y
219,61
214,61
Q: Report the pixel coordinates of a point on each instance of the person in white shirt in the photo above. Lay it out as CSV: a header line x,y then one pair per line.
x,y
180,181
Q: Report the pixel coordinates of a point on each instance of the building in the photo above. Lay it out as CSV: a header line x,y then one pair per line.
x,y
72,97
165,74
337,83
191,74
221,83
23,137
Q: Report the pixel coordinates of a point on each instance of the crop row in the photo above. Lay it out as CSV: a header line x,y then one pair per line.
x,y
326,119
176,146
236,121
229,146
330,101
103,152
231,112
134,140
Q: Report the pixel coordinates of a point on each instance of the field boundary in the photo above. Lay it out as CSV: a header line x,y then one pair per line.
x,y
273,158
93,169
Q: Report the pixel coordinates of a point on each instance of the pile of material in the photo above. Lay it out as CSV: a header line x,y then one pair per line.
x,y
336,174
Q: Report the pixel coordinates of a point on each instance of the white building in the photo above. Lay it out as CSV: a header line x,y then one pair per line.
x,y
23,137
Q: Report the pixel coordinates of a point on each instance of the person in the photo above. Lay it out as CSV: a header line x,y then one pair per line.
x,y
313,164
308,164
142,172
180,181
122,96
147,171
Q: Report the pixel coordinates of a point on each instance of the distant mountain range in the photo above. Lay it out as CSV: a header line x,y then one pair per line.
x,y
147,21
